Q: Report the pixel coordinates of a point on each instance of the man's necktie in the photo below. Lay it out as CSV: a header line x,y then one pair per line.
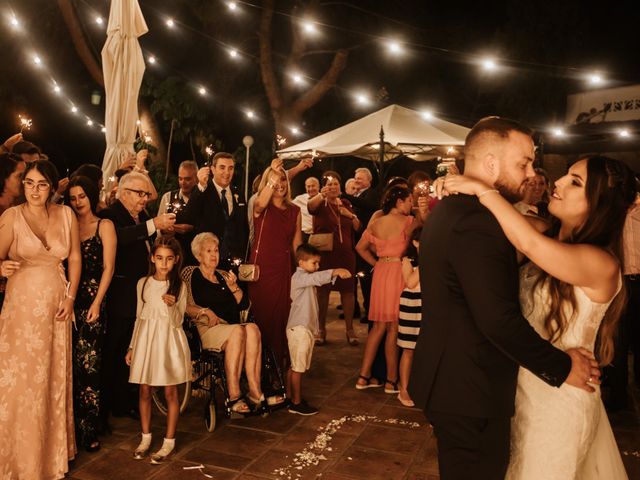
x,y
223,201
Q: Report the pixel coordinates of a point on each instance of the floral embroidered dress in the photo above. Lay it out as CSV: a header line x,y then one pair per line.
x,y
36,399
88,339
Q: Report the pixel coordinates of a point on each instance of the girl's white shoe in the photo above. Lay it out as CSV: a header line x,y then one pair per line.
x,y
167,447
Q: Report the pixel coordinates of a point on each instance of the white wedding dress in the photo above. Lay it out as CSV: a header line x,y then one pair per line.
x,y
561,433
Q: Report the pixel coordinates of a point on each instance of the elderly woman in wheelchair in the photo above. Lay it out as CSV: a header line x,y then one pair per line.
x,y
216,303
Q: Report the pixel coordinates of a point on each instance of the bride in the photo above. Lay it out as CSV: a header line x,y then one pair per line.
x,y
571,292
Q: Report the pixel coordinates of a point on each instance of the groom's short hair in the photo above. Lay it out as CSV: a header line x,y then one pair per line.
x,y
496,127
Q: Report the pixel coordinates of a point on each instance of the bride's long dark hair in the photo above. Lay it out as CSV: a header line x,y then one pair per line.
x,y
610,191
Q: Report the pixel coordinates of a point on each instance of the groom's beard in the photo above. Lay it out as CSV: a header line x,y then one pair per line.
x,y
510,192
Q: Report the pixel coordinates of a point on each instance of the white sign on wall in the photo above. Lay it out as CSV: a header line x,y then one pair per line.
x,y
608,105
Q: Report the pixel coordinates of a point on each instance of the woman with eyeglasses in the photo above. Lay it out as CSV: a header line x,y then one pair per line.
x,y
36,412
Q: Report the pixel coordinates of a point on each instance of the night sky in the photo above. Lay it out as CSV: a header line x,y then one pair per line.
x,y
546,47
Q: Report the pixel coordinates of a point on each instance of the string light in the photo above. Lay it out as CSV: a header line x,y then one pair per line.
x,y
558,132
37,60
151,59
426,114
624,133
74,109
15,23
138,122
250,114
202,91
56,88
90,122
489,64
233,53
99,20
170,23
595,79
297,78
394,47
362,99
103,129
232,6
295,130
309,27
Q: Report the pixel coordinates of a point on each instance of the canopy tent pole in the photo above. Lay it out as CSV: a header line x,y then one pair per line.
x,y
381,154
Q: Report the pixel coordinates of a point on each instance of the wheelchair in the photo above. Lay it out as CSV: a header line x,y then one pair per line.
x,y
209,377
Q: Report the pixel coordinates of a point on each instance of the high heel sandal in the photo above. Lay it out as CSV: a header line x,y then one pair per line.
x,y
364,386
238,407
394,387
352,338
259,405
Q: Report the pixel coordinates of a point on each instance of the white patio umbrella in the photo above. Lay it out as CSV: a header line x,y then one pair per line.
x,y
123,68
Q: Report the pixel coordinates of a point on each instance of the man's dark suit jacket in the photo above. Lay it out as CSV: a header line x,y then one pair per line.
x,y
204,212
365,205
132,259
473,336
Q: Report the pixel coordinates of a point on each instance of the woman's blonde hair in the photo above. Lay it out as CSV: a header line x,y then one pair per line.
x,y
265,179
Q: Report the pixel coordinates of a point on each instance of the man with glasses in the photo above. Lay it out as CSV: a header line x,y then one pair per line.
x,y
135,230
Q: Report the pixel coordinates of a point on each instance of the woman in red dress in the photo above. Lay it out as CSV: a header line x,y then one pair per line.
x,y
277,234
334,215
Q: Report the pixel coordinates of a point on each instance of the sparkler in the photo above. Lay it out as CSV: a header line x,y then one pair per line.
x,y
175,207
236,261
423,189
25,123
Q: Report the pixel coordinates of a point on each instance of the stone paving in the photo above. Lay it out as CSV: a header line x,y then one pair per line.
x,y
356,435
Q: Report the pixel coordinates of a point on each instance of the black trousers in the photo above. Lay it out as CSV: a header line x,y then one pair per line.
x,y
471,447
119,396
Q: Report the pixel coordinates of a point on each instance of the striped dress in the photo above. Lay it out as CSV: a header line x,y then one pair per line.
x,y
410,317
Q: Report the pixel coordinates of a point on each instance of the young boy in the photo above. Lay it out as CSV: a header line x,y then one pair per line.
x,y
303,320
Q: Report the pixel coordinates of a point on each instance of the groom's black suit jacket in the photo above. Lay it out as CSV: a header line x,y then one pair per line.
x,y
204,211
473,336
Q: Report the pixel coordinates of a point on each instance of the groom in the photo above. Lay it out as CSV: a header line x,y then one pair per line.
x,y
473,335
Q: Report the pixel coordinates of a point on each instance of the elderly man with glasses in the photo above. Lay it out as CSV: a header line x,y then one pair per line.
x,y
135,230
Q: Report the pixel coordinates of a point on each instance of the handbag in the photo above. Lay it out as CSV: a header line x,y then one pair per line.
x,y
322,241
250,272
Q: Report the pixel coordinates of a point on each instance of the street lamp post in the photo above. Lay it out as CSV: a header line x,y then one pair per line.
x,y
247,141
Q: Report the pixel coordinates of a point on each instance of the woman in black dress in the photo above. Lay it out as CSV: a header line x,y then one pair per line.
x,y
98,247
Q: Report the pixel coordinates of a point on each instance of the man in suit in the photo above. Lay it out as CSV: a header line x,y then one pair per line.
x,y
217,207
134,229
473,335
365,202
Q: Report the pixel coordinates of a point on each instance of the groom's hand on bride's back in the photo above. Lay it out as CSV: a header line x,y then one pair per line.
x,y
585,371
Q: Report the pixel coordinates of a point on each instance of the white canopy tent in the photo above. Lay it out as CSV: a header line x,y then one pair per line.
x,y
401,130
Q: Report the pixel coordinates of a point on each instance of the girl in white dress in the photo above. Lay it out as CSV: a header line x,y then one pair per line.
x,y
159,353
571,293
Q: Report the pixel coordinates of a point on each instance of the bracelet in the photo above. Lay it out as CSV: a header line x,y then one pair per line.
x,y
487,191
70,296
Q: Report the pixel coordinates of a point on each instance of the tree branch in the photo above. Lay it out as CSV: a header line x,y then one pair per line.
x,y
274,95
79,42
322,86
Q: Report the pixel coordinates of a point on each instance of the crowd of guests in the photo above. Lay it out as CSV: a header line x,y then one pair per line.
x,y
76,252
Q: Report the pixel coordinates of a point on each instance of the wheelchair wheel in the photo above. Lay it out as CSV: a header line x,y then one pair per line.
x,y
210,421
184,394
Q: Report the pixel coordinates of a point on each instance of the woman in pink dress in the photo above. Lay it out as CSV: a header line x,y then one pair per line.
x,y
388,236
277,234
36,398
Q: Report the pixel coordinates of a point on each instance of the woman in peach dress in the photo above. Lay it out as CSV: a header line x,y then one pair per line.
x,y
36,413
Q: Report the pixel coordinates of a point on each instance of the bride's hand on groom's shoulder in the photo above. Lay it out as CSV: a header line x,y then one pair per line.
x,y
585,371
453,184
